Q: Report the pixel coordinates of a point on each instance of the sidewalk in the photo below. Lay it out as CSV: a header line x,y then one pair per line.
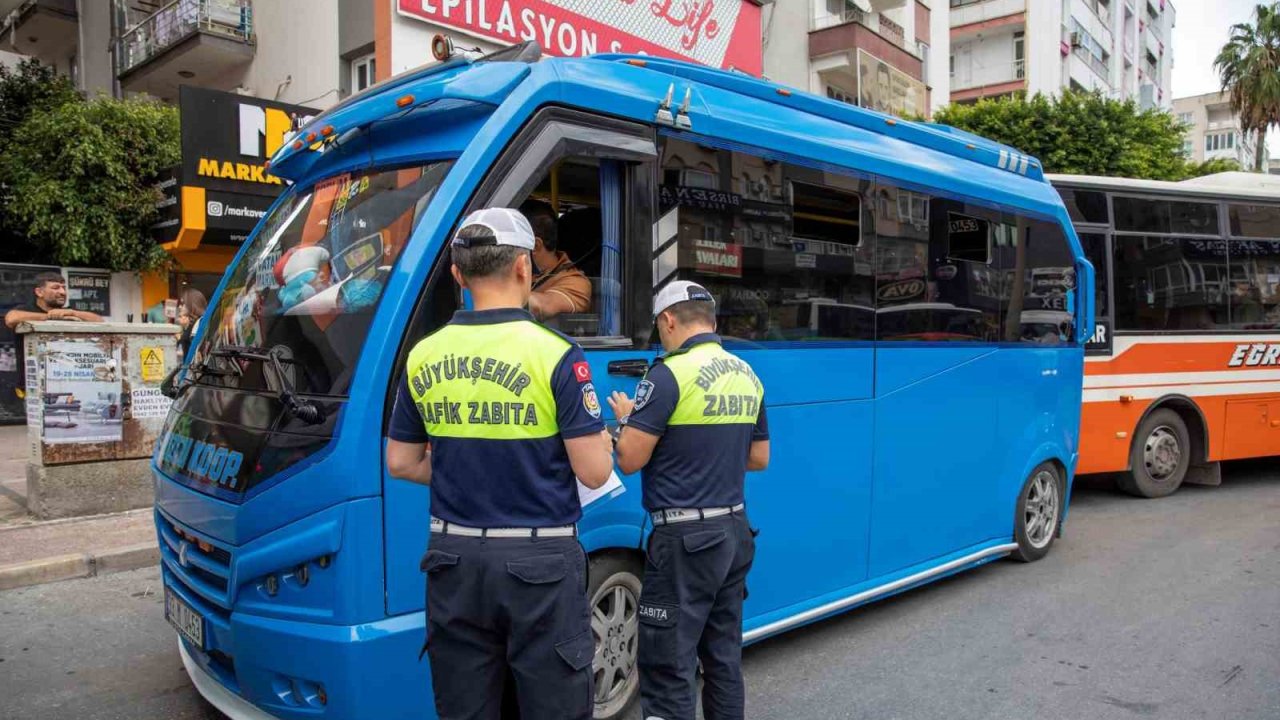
x,y
34,552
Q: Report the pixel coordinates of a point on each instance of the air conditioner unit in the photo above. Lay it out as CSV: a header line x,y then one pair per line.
x,y
1077,40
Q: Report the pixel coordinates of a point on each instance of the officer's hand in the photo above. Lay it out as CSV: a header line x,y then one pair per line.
x,y
621,404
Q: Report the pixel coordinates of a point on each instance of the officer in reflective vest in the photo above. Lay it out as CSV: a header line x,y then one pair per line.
x,y
511,416
696,425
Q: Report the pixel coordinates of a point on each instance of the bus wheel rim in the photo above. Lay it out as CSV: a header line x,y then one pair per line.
x,y
1042,509
1162,453
615,624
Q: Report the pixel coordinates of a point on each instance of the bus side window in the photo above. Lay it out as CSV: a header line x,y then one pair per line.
x,y
786,249
936,280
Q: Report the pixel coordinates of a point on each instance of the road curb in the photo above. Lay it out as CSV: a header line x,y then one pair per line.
x,y
78,565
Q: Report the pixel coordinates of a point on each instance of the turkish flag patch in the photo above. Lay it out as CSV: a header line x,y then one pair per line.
x,y
582,372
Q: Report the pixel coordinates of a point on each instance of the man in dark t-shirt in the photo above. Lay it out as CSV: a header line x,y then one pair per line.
x,y
48,302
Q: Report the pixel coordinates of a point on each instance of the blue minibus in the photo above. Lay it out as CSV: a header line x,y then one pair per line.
x,y
877,273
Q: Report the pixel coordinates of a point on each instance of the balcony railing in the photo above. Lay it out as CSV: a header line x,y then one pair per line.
x,y
176,21
994,74
892,30
848,15
876,22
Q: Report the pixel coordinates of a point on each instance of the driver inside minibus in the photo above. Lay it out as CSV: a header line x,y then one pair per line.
x,y
560,286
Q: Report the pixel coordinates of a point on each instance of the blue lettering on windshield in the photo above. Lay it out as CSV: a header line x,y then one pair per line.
x,y
198,459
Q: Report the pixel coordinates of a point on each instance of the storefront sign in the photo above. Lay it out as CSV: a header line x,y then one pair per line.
x,y
717,258
89,291
900,290
227,138
887,89
222,188
698,198
719,33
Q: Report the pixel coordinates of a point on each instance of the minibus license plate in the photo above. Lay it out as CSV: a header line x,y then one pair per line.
x,y
184,618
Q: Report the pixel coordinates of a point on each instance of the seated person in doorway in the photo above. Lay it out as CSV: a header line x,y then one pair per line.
x,y
48,302
559,286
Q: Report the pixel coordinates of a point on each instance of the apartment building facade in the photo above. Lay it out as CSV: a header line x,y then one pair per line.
x,y
306,52
1121,48
888,55
1214,130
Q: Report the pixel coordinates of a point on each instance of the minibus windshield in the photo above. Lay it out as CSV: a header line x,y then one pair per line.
x,y
306,289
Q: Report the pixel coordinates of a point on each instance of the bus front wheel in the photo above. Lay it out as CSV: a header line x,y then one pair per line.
x,y
614,593
1039,508
1160,457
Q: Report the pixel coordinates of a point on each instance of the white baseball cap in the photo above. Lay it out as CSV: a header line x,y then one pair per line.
x,y
678,292
495,226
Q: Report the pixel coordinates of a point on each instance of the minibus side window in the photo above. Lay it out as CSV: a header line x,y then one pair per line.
x,y
594,175
1038,297
935,276
783,247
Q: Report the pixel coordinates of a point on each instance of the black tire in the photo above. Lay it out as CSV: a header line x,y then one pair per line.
x,y
614,578
1038,513
1160,456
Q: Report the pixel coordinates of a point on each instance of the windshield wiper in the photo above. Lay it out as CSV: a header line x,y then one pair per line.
x,y
299,407
194,373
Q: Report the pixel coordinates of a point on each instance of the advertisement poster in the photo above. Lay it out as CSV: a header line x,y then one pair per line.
x,y
148,403
887,89
81,395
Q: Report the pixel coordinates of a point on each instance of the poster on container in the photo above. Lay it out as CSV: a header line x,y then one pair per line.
x,y
80,401
719,33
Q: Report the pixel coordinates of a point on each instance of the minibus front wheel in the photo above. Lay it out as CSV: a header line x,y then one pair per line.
x,y
1039,511
613,588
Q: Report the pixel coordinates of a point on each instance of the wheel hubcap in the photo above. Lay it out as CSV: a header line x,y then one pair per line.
x,y
1041,514
1162,453
615,625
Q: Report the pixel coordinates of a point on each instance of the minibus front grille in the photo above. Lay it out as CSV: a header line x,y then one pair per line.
x,y
203,567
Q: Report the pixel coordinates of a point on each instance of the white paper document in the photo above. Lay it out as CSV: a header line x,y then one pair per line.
x,y
613,486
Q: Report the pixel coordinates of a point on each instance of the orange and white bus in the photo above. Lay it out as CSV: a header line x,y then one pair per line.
x,y
1184,367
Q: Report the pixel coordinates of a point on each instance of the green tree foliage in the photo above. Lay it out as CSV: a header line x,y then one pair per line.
x,y
1079,133
1215,165
26,89
1249,67
81,178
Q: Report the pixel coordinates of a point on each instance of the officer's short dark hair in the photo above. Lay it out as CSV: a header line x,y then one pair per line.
x,y
45,278
543,221
694,312
484,261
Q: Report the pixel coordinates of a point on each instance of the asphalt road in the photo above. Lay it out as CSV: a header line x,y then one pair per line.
x,y
1159,609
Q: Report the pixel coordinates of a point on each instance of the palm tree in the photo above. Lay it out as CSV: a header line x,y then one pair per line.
x,y
1249,67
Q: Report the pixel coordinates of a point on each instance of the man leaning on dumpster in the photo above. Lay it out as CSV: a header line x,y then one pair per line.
x,y
48,302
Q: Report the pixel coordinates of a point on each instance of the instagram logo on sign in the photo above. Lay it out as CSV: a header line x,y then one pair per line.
x,y
214,208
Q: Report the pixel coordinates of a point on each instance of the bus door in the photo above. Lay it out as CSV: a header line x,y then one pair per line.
x,y
938,318
596,175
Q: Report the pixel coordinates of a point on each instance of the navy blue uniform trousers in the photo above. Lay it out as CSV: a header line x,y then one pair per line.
x,y
508,607
691,611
